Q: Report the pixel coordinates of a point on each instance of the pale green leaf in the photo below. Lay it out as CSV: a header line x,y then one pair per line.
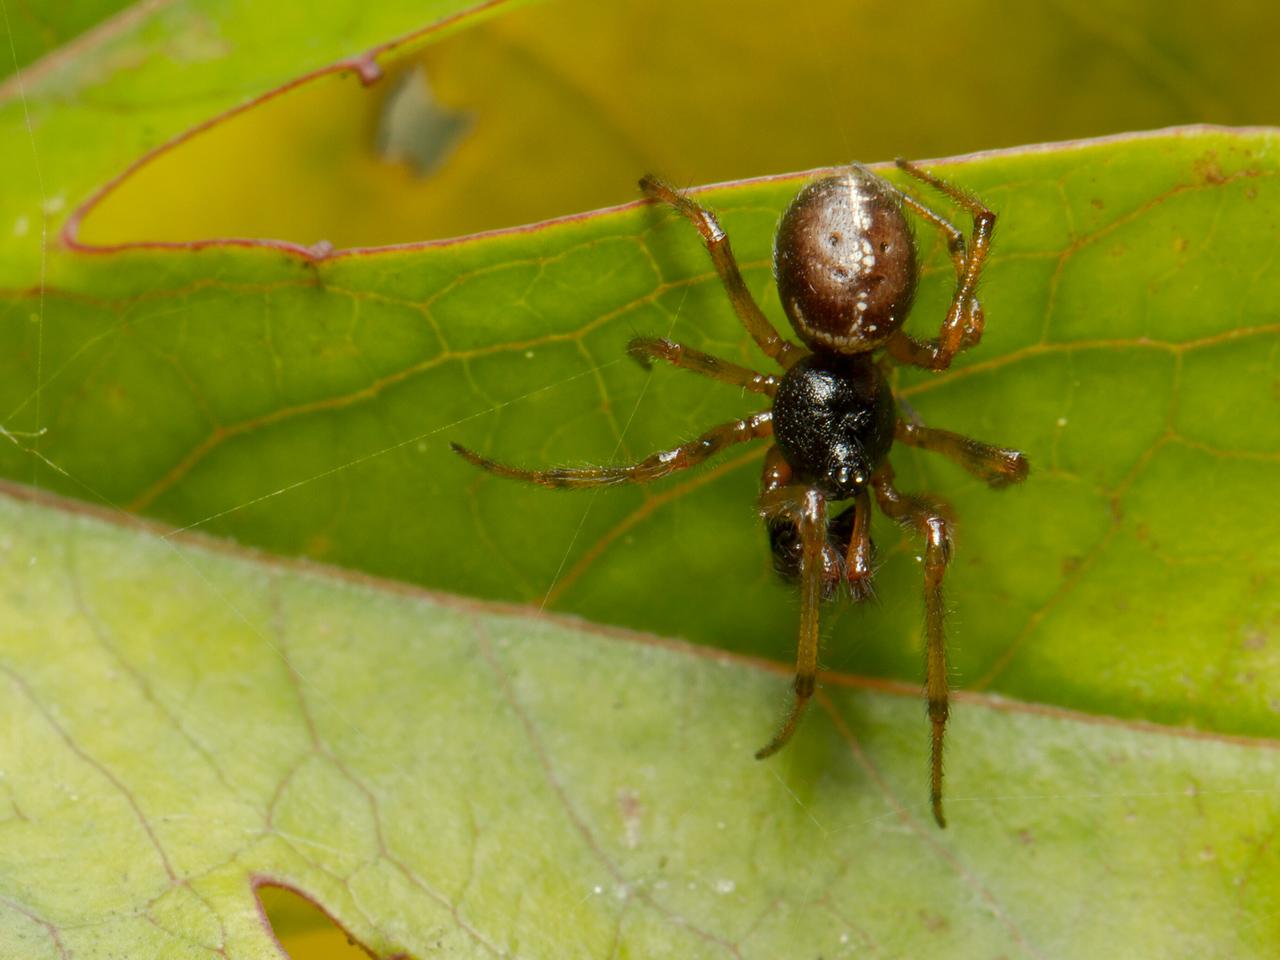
x,y
450,778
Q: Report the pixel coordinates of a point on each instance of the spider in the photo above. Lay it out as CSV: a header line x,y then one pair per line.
x,y
845,266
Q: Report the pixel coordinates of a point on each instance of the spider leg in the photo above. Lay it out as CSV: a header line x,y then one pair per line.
x,y
717,243
807,509
996,466
650,468
847,554
644,349
956,246
962,326
777,472
926,515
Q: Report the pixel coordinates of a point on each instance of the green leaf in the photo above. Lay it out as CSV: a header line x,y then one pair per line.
x,y
428,770
35,31
306,406
447,775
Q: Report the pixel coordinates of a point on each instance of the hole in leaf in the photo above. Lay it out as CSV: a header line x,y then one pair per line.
x,y
331,162
304,930
471,130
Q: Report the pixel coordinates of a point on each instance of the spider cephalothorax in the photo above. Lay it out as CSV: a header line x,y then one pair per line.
x,y
833,419
845,265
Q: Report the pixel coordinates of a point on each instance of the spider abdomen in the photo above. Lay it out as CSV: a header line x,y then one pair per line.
x,y
845,262
833,419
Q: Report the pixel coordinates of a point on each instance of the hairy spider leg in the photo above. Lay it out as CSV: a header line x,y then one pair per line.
x,y
777,472
926,516
717,242
956,245
644,349
807,509
973,318
962,326
846,557
973,253
995,466
652,467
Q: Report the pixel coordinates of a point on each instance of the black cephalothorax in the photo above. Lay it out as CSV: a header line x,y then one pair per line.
x,y
833,419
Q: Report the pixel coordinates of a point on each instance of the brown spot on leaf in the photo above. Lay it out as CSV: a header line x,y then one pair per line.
x,y
318,546
934,922
1208,169
629,809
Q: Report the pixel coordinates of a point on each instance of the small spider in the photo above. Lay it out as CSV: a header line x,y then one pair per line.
x,y
845,264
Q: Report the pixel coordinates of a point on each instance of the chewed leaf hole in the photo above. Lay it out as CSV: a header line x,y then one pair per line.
x,y
304,930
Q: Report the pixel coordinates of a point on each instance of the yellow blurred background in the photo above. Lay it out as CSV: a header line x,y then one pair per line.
x,y
557,107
